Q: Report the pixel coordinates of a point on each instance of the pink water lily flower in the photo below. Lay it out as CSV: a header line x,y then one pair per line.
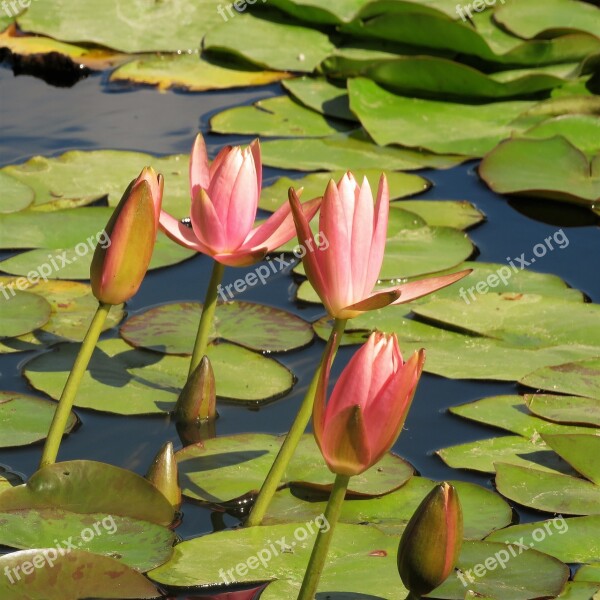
x,y
225,199
344,272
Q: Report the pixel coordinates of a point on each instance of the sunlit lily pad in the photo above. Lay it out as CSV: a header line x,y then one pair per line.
x,y
279,116
483,510
4,484
14,195
79,486
579,378
127,381
589,572
574,540
21,312
580,590
137,544
26,419
314,185
81,575
582,131
565,409
190,72
229,467
459,214
582,451
171,328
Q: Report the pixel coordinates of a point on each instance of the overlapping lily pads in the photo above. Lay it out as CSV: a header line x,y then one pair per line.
x,y
565,409
127,381
171,328
21,312
25,419
227,468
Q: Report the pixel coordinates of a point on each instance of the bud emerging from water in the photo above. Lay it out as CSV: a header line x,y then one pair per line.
x,y
164,475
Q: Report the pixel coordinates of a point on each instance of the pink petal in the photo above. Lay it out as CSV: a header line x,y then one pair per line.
x,y
219,159
240,258
362,238
255,150
179,233
380,225
375,301
422,287
199,170
206,223
221,184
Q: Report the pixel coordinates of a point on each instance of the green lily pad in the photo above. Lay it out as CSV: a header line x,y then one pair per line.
x,y
171,328
190,72
76,486
137,544
471,130
73,306
549,168
279,116
321,95
227,468
314,185
564,409
126,381
573,540
558,16
138,26
458,214
550,492
14,195
580,378
238,37
582,131
21,313
482,455
26,419
588,572
483,510
582,451
81,575
349,152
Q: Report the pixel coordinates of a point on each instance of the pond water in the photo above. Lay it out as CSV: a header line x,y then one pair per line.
x,y
40,119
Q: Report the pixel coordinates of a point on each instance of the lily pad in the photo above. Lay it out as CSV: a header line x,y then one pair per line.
x,y
190,72
549,168
14,195
75,486
550,492
580,378
582,451
483,510
582,590
171,328
279,116
226,468
137,544
238,37
127,381
572,540
314,185
582,131
349,152
565,409
588,572
81,575
26,419
21,312
458,214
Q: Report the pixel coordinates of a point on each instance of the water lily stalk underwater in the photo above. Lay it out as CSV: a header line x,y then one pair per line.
x,y
344,273
359,424
116,273
225,197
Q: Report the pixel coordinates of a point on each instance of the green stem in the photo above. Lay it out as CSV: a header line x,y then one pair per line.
x,y
323,541
208,314
271,483
65,404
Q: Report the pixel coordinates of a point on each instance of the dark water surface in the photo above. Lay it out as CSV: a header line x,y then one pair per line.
x,y
38,119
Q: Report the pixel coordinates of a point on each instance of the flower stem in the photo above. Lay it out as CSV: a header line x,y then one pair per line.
x,y
323,541
286,452
67,398
208,314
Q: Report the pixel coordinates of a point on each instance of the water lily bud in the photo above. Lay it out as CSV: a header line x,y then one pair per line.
x,y
119,266
198,399
164,475
431,542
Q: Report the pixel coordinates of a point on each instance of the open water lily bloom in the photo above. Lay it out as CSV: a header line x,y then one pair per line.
x,y
344,273
368,406
225,197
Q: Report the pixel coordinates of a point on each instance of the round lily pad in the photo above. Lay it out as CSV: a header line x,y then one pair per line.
x,y
137,544
26,419
459,214
226,468
565,409
21,312
127,381
171,328
15,195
